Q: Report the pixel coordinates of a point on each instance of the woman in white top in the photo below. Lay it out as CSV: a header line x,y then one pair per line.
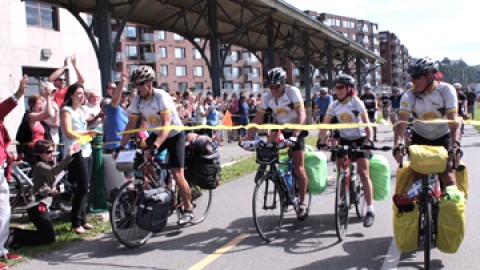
x,y
74,126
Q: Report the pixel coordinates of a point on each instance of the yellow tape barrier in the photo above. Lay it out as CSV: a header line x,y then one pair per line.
x,y
296,126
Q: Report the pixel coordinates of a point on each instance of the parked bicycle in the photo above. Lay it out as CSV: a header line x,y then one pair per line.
x,y
21,185
274,193
128,203
349,190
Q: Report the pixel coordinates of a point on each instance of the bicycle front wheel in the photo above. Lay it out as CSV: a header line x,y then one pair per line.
x,y
427,231
342,206
359,194
201,202
267,207
123,215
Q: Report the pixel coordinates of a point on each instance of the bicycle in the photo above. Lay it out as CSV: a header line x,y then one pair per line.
x,y
273,194
428,201
150,174
349,189
21,184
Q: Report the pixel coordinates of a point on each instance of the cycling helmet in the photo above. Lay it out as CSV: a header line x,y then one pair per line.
x,y
367,86
276,76
345,79
409,85
457,85
395,90
143,73
422,67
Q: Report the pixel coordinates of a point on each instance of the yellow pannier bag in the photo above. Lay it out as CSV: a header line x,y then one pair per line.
x,y
405,228
461,176
427,159
450,225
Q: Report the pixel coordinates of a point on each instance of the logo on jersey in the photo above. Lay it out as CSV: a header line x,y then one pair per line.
x,y
346,117
154,121
429,116
281,112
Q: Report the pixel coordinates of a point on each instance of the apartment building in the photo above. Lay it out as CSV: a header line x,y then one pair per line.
x,y
362,31
35,39
394,71
179,65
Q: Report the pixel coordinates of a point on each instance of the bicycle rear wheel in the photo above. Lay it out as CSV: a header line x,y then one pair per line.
x,y
427,231
15,190
123,215
359,199
201,201
342,206
267,208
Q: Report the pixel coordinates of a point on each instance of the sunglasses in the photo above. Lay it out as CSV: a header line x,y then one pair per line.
x,y
142,83
60,79
274,86
416,77
339,87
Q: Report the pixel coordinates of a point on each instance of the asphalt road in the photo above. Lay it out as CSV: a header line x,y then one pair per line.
x,y
228,240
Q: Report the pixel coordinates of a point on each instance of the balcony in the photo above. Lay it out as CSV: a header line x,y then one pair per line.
x,y
148,58
119,57
147,38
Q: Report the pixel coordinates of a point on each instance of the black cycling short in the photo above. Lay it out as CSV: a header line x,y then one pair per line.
x,y
357,142
176,149
445,140
300,145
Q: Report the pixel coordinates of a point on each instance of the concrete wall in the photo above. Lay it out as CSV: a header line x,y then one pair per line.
x,y
21,45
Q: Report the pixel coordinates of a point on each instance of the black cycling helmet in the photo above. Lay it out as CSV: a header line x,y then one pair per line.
x,y
143,73
422,67
276,76
345,79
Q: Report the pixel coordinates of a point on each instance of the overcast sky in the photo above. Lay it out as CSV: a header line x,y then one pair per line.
x,y
434,28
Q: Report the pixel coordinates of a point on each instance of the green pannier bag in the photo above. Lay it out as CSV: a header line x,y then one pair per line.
x,y
316,169
317,173
450,225
380,175
405,228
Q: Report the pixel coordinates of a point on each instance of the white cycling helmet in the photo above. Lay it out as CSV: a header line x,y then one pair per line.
x,y
409,85
276,76
457,85
143,73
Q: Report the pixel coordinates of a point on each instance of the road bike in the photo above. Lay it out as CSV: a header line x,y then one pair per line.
x,y
349,191
150,174
274,194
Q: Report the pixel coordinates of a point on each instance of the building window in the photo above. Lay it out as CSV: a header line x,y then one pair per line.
x,y
198,85
182,86
196,54
131,32
163,70
198,71
162,52
248,85
160,35
235,56
235,72
256,87
179,53
132,51
178,37
131,68
237,86
42,15
181,71
296,72
256,73
164,86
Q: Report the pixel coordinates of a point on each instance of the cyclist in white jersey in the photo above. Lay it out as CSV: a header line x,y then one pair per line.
x,y
348,108
428,100
158,108
287,107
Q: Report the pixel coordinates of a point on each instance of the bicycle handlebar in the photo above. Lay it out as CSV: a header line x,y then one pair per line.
x,y
288,142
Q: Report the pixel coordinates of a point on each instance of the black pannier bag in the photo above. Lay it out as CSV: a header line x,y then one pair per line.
x,y
153,209
202,163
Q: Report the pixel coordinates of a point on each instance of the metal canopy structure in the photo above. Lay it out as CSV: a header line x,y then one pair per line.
x,y
269,26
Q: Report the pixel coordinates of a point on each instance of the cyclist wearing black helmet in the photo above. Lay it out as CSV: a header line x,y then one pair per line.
x,y
158,108
428,100
287,107
350,109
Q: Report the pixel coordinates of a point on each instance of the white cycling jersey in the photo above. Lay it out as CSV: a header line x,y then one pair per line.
x,y
433,105
348,111
283,107
151,109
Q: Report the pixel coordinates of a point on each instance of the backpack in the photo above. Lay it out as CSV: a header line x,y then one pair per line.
x,y
203,163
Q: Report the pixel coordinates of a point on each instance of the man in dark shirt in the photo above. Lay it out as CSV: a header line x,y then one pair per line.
x,y
471,99
370,102
462,103
395,102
